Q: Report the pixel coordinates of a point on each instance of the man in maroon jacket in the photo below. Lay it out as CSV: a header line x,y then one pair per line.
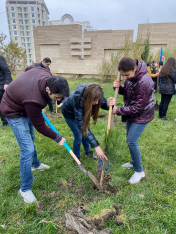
x,y
22,106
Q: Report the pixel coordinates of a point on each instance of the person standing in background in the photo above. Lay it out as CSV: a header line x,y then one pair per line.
x,y
5,79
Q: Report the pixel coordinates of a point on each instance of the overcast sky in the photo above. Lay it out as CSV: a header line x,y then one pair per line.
x,y
107,14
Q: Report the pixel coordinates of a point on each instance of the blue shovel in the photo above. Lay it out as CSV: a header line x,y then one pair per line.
x,y
88,173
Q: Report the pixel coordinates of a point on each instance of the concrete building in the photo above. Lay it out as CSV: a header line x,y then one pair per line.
x,y
68,19
73,55
22,17
161,34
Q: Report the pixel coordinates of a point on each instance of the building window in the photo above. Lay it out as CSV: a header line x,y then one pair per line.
x,y
33,21
7,9
25,9
33,26
24,45
20,15
33,15
16,38
32,8
22,33
13,14
9,27
10,33
15,32
28,39
29,50
25,15
14,27
14,21
21,27
10,38
8,21
12,8
27,27
17,44
29,44
21,21
30,61
7,15
30,55
20,9
26,21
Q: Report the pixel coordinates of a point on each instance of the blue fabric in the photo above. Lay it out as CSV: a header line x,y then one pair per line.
x,y
25,136
78,138
133,133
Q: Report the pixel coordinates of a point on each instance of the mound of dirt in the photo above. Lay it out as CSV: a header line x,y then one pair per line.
x,y
79,224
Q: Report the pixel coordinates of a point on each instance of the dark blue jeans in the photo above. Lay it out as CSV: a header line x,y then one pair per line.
x,y
25,135
78,138
133,133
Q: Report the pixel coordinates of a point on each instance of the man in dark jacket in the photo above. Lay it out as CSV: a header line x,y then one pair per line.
x,y
22,106
5,79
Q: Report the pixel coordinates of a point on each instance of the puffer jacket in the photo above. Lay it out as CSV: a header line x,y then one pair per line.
x,y
138,97
167,84
73,108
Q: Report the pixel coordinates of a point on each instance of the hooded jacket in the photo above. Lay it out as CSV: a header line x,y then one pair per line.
x,y
167,84
138,96
73,108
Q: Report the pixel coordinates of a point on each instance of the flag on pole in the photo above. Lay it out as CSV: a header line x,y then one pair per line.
x,y
162,57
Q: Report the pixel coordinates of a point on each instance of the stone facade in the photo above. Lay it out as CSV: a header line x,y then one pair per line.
x,y
161,34
72,55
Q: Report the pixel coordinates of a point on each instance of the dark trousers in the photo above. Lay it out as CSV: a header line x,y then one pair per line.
x,y
4,121
164,104
50,104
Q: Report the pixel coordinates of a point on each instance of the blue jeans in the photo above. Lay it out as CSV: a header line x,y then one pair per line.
x,y
25,135
133,133
78,138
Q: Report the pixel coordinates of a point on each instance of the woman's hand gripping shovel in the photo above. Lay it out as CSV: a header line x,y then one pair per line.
x,y
105,167
88,173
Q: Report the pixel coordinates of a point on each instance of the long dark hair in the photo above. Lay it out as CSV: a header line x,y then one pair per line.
x,y
92,93
168,67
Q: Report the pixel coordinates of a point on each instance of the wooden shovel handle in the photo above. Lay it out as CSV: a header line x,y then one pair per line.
x,y
115,97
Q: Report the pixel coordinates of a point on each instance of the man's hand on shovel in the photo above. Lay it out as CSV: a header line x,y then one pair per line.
x,y
62,141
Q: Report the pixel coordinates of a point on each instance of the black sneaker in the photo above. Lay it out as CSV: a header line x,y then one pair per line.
x,y
165,118
52,112
91,155
159,116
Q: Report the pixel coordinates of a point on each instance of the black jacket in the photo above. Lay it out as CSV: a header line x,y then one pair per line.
x,y
5,74
167,84
73,108
41,65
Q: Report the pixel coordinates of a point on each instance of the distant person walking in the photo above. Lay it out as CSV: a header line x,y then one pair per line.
x,y
167,87
5,79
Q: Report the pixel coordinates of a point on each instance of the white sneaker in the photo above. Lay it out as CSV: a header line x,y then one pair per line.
x,y
137,177
128,165
28,196
42,167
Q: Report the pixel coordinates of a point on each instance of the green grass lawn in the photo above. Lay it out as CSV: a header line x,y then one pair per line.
x,y
149,207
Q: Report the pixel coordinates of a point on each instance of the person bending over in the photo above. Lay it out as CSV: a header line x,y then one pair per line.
x,y
84,102
22,106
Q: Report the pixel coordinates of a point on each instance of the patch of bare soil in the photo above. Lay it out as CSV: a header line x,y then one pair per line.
x,y
57,116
